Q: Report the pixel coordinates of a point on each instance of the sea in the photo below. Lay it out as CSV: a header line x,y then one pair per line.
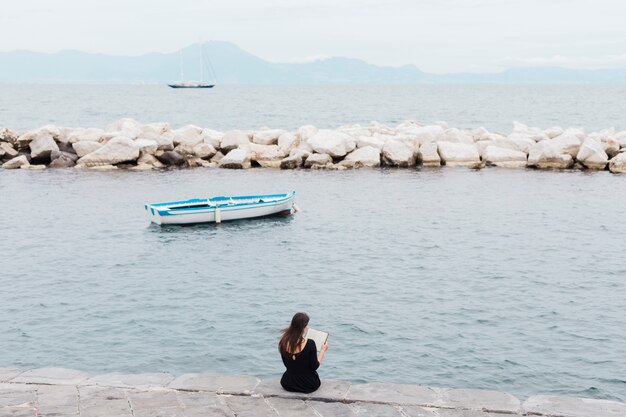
x,y
510,280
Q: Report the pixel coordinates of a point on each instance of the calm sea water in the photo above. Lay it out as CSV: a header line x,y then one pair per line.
x,y
506,280
26,106
497,279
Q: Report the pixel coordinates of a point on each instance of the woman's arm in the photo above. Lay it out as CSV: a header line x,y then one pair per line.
x,y
320,357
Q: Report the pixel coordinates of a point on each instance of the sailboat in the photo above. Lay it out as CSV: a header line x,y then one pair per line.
x,y
193,84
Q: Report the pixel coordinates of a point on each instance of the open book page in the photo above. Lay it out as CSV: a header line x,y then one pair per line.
x,y
318,337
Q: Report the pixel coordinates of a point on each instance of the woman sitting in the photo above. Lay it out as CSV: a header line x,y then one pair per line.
x,y
300,357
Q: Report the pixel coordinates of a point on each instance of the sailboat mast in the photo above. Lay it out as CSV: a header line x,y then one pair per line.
x,y
180,55
201,65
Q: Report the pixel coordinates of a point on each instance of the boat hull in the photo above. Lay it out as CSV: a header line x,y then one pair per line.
x,y
190,86
163,215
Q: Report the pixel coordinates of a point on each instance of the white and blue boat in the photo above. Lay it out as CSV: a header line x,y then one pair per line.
x,y
221,208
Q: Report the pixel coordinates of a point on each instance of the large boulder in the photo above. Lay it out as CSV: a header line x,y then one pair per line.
x,y
517,141
62,159
457,136
367,156
83,148
17,162
397,153
334,143
151,160
316,160
427,134
233,139
204,150
147,146
464,154
617,164
8,135
170,158
90,134
7,150
428,155
504,157
235,159
267,137
117,150
288,141
306,132
189,135
42,146
265,153
547,155
592,155
567,143
374,141
212,137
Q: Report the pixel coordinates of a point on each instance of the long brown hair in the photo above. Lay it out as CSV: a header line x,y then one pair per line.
x,y
293,335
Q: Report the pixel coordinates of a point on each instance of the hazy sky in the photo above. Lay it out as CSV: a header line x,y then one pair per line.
x,y
435,35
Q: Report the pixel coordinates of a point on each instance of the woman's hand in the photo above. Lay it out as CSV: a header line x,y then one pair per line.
x,y
324,347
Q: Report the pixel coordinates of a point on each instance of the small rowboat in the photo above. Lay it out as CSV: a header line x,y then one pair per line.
x,y
219,209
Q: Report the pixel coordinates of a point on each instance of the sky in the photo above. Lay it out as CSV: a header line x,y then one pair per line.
x,y
438,36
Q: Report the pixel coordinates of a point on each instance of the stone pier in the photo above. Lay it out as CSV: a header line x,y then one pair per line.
x,y
63,392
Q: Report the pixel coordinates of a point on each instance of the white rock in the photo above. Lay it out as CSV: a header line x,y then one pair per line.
x,y
204,150
367,156
7,149
212,137
546,154
553,132
456,136
233,139
91,135
621,139
592,155
306,132
147,159
118,149
480,133
374,141
481,145
618,163
288,141
267,137
504,157
83,148
398,154
42,146
235,159
336,144
520,142
17,162
429,155
189,135
164,142
265,153
151,130
146,146
567,143
317,160
458,153
376,127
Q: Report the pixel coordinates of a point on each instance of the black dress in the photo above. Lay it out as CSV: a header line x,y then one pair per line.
x,y
301,374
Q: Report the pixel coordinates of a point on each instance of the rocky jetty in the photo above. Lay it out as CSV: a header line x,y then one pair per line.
x,y
72,393
128,144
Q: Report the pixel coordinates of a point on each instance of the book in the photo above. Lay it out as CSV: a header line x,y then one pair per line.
x,y
318,337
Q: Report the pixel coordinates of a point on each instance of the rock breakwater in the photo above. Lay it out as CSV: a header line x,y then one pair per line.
x,y
128,144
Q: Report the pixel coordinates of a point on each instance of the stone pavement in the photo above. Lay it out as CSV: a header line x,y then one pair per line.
x,y
63,392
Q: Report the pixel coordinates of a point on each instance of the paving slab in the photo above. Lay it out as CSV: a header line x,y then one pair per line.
x,y
375,410
291,407
116,379
51,376
19,395
17,412
159,412
140,400
216,383
480,400
332,409
573,407
52,396
329,390
394,393
244,406
58,412
416,411
203,404
7,374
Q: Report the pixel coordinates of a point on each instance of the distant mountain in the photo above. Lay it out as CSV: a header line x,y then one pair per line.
x,y
233,65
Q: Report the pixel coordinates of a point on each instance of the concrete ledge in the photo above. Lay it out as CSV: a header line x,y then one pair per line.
x,y
68,393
